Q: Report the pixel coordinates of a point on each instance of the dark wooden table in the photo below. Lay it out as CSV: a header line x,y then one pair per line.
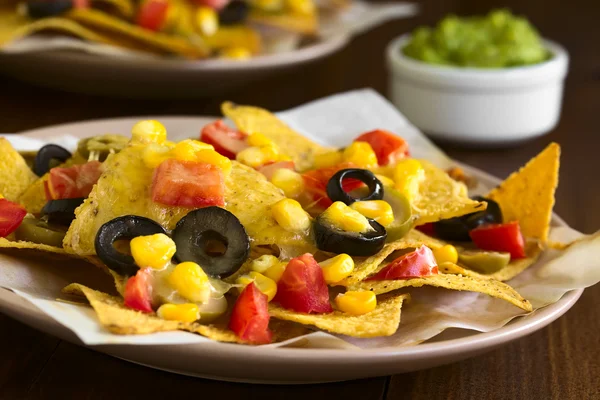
x,y
558,362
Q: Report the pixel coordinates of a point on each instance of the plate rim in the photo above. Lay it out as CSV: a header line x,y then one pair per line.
x,y
516,329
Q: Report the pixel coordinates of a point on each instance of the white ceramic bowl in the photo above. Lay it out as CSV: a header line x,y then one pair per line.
x,y
478,106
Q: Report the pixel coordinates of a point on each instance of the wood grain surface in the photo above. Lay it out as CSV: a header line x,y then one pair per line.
x,y
558,362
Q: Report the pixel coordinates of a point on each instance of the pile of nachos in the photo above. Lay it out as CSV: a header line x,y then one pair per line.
x,y
255,234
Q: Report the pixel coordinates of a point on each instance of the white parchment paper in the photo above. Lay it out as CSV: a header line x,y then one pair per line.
x,y
333,121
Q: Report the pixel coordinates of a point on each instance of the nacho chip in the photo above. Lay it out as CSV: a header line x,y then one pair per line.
x,y
441,197
490,287
34,198
304,24
383,321
235,36
124,189
32,250
257,120
15,174
366,266
527,195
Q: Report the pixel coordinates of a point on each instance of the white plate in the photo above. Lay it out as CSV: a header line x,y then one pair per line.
x,y
282,365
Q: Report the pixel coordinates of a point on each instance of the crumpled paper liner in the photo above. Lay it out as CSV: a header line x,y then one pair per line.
x,y
332,121
355,19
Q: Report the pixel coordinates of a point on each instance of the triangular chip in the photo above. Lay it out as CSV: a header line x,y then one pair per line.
x,y
527,195
305,24
15,174
383,321
257,120
124,189
441,197
33,250
490,287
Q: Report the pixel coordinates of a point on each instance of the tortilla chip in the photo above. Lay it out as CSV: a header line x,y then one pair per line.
x,y
32,250
15,174
34,198
124,189
364,267
527,195
441,197
235,36
490,287
383,321
257,120
304,24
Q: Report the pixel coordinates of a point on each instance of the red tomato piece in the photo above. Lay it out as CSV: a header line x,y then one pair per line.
x,y
416,264
302,287
216,4
11,216
250,316
226,141
81,4
138,292
188,184
315,183
388,147
269,169
152,14
72,182
500,237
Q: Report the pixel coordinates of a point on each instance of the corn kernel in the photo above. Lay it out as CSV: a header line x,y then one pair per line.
x,y
343,217
337,268
379,210
385,181
356,303
148,131
263,263
179,312
258,140
268,5
290,215
191,282
328,159
276,271
236,53
301,7
256,156
266,285
154,154
187,150
214,158
1,197
206,20
446,253
154,251
408,174
290,182
361,154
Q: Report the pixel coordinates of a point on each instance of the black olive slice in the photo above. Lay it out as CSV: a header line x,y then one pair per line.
x,y
336,241
234,13
44,8
458,228
44,157
62,212
336,192
213,238
126,227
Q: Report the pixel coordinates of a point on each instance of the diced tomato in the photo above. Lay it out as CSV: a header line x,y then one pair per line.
x,y
269,169
428,228
500,237
315,183
388,147
250,316
216,4
81,3
152,14
226,141
72,182
11,216
188,184
138,291
415,264
302,287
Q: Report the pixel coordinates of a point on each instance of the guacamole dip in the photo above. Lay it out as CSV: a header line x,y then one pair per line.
x,y
497,40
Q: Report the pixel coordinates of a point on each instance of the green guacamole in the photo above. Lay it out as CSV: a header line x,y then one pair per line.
x,y
497,40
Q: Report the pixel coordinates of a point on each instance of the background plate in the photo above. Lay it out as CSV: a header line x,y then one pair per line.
x,y
282,365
